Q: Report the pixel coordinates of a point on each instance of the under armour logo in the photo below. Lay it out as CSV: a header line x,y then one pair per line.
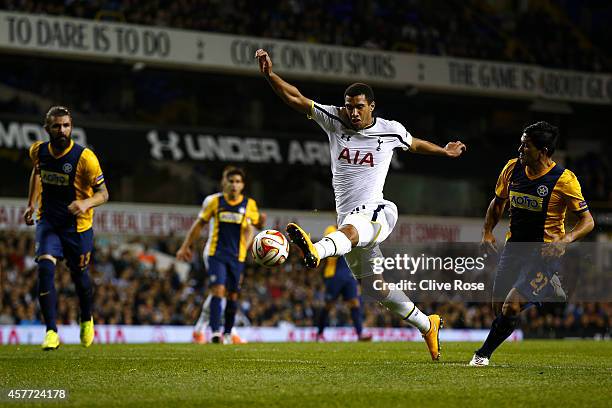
x,y
171,145
379,143
346,137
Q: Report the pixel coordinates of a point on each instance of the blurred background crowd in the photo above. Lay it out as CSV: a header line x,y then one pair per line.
x,y
129,288
559,34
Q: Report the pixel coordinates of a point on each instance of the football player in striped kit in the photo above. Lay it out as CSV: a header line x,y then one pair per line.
x,y
66,184
540,192
230,215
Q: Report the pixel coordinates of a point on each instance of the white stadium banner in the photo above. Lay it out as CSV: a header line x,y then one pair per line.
x,y
79,38
163,220
109,334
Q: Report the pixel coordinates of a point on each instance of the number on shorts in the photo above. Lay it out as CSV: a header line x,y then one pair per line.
x,y
84,260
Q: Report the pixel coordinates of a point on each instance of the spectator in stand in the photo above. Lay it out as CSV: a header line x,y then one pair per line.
x,y
510,31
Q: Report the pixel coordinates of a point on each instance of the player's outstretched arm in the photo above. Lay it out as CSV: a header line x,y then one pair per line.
x,y
494,213
184,253
287,92
452,149
33,193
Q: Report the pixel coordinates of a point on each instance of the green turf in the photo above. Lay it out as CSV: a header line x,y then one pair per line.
x,y
534,373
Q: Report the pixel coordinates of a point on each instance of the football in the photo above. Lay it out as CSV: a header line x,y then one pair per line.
x,y
270,248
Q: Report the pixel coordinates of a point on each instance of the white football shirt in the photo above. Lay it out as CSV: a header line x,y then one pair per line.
x,y
360,159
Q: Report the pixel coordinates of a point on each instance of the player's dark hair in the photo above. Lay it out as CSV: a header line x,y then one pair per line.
x,y
57,111
359,88
543,135
230,171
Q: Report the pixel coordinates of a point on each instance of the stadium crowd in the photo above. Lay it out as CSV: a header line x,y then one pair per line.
x,y
548,33
130,288
594,170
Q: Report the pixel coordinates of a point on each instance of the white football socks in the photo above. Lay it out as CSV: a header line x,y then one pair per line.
x,y
400,304
204,318
334,244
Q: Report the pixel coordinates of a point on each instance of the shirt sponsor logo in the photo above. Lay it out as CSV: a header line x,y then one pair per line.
x,y
526,201
230,217
356,157
51,177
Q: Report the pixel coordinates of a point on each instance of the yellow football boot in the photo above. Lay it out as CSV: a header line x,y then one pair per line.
x,y
432,337
87,333
300,238
52,341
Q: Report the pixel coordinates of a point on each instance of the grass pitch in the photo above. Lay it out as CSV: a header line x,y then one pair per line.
x,y
529,373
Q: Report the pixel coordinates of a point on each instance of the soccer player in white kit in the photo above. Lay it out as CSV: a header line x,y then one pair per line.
x,y
361,151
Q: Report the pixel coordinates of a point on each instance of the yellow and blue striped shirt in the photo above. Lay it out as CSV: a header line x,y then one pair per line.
x,y
229,222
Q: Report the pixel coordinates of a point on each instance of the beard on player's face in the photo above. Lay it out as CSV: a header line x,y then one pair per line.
x,y
59,129
60,141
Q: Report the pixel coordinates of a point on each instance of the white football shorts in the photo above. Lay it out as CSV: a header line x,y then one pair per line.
x,y
374,223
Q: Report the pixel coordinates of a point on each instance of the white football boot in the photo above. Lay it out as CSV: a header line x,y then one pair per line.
x,y
478,361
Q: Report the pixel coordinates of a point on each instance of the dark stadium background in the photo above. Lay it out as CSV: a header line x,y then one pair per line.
x,y
119,103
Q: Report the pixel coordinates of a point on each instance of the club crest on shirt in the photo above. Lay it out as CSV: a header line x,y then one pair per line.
x,y
542,191
67,167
